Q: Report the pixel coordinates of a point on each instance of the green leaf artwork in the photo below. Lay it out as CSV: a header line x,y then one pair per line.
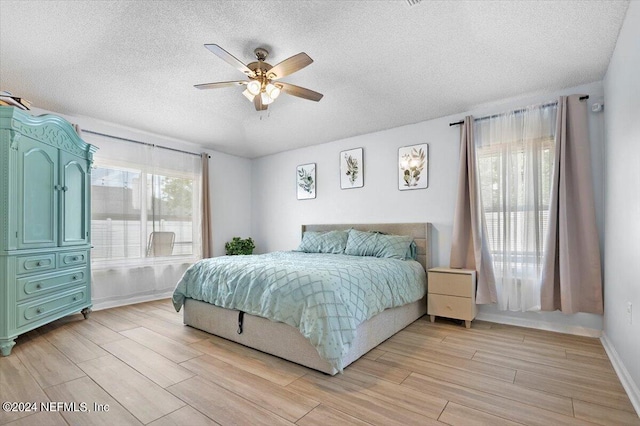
x,y
412,167
305,180
352,168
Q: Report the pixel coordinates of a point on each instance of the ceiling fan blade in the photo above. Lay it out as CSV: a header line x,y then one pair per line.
x,y
219,84
229,58
289,66
300,92
257,102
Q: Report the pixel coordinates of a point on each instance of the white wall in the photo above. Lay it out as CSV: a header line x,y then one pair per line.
x,y
279,215
277,226
230,180
622,204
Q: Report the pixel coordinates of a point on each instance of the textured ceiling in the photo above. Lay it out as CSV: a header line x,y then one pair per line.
x,y
379,64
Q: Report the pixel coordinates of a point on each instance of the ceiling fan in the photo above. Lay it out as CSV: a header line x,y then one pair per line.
x,y
263,86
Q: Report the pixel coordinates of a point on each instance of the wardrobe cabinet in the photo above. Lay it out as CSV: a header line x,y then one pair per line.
x,y
45,212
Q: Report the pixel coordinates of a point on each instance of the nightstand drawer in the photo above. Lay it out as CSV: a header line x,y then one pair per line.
x,y
36,263
450,307
38,285
451,284
36,310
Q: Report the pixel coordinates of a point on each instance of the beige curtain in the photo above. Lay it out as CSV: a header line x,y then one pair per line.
x,y
572,274
469,249
207,241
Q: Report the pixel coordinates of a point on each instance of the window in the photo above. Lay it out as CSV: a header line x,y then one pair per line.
x,y
145,204
171,210
116,231
514,154
128,206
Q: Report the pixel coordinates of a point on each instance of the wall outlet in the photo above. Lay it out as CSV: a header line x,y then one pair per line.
x,y
630,312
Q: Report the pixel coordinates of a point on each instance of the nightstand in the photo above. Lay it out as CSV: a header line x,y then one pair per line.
x,y
452,294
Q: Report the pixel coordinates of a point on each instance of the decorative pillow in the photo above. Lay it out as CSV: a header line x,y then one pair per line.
x,y
324,242
380,245
361,243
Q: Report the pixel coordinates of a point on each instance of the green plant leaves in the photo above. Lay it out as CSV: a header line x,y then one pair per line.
x,y
238,245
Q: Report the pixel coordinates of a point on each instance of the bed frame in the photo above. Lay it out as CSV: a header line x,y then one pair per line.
x,y
286,342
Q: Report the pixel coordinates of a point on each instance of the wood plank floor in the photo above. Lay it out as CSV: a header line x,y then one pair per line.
x,y
148,368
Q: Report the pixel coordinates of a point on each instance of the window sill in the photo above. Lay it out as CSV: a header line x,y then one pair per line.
x,y
142,262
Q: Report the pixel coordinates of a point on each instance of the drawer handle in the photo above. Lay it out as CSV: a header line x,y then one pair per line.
x,y
38,286
75,298
449,307
38,263
75,258
64,188
39,311
75,277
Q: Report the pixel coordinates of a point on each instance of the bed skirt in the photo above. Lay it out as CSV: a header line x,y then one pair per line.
x,y
285,341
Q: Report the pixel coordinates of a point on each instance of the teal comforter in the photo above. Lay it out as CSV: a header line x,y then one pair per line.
x,y
325,296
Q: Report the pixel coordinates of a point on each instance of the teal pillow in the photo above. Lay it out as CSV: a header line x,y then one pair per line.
x,y
361,243
379,245
324,242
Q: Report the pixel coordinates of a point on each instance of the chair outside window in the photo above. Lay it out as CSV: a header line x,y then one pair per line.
x,y
161,244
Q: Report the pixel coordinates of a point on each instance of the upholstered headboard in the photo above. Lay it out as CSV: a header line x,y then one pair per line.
x,y
421,233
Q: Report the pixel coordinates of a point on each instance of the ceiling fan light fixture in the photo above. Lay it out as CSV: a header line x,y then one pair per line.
x,y
254,87
266,99
248,95
272,90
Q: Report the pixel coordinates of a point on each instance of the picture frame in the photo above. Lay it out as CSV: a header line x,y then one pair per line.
x,y
413,167
306,181
351,169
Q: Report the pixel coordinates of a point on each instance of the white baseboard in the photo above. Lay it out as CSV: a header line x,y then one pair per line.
x,y
541,325
623,374
111,303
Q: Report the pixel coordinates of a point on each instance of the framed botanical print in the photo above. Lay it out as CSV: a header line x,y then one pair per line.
x,y
413,167
351,169
306,181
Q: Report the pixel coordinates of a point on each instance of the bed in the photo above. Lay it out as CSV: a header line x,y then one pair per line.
x,y
283,337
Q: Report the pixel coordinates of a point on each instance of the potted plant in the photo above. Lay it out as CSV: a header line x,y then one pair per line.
x,y
239,245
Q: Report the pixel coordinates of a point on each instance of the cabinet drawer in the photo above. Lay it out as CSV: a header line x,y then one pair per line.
x,y
75,258
462,285
36,263
451,307
35,286
36,310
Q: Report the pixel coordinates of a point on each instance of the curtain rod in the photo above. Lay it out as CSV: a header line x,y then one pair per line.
x,y
582,98
139,142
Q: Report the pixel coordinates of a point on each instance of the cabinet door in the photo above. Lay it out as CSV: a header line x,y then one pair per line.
x,y
37,194
74,212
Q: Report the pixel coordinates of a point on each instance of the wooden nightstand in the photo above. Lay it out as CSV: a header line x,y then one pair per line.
x,y
452,294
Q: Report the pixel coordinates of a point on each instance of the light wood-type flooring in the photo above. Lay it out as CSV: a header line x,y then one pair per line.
x,y
149,368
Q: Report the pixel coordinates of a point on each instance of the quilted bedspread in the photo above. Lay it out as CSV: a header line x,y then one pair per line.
x,y
325,296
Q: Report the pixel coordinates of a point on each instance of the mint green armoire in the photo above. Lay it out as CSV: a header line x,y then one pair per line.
x,y
45,218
